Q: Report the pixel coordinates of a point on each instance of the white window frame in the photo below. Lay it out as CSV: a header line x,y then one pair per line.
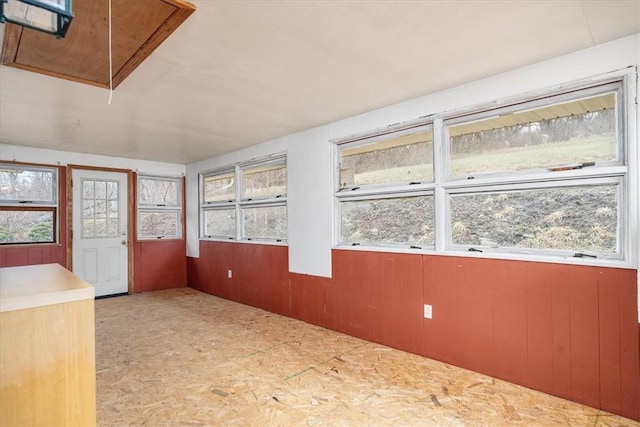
x,y
36,205
160,208
623,171
238,204
381,191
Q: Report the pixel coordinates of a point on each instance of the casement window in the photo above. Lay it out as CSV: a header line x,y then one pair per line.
x,y
543,177
159,207
385,189
247,202
28,204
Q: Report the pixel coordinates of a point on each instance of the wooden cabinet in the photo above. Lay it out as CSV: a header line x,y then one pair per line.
x,y
47,348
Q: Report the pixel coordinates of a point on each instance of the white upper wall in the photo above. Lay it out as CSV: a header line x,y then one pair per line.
x,y
310,170
55,157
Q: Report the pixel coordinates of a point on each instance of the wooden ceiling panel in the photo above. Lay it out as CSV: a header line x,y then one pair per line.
x,y
138,28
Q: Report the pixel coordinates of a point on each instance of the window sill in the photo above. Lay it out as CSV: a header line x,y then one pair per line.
x,y
570,260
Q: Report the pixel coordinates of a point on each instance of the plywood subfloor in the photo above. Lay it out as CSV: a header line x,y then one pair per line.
x,y
184,358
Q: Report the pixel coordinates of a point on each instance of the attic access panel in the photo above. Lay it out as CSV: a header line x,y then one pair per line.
x,y
138,28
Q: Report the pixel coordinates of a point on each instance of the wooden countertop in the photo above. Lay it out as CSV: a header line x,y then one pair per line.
x,y
40,285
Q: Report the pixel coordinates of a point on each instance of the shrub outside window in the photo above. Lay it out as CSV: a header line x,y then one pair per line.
x,y
159,207
248,202
28,204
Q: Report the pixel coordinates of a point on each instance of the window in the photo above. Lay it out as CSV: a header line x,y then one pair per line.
x,y
246,203
553,176
385,189
28,204
159,207
544,177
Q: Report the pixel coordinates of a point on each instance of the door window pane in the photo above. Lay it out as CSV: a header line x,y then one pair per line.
x,y
97,205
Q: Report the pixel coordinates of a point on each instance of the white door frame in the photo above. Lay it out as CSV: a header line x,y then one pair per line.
x,y
130,216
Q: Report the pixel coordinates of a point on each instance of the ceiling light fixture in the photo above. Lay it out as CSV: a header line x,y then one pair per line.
x,y
49,16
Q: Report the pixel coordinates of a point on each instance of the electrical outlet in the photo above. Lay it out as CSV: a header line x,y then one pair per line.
x,y
428,311
229,274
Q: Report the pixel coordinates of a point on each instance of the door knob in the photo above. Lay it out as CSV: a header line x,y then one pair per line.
x,y
124,242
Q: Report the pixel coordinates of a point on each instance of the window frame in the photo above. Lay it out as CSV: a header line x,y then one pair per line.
x,y
623,170
382,191
16,205
239,204
160,208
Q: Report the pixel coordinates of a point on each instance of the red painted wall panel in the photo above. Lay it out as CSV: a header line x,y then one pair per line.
x,y
509,319
609,322
159,265
585,382
539,300
567,330
559,275
450,311
480,355
629,353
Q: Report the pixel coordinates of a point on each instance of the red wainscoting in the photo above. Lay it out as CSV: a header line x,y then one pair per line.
x,y
159,264
12,256
566,330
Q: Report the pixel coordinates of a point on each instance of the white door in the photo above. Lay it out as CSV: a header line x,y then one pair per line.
x,y
100,241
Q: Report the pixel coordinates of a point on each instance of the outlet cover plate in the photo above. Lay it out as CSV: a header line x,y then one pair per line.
x,y
428,311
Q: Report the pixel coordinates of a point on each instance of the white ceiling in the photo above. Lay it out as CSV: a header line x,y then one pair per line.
x,y
238,73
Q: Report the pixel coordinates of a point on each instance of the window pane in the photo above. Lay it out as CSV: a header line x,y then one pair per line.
x,y
570,133
264,181
27,185
219,188
158,192
398,159
404,220
570,218
97,205
265,222
155,224
220,223
26,226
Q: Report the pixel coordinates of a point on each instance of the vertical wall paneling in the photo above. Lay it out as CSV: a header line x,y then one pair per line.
x,y
585,367
428,328
510,319
609,334
376,304
559,276
629,355
481,312
403,293
450,310
540,326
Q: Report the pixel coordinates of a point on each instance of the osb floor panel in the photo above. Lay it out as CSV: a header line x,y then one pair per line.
x,y
184,358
